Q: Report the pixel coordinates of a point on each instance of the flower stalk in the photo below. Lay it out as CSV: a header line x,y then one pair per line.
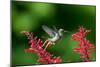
x,y
84,45
36,46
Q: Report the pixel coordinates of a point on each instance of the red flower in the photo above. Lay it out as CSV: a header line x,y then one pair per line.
x,y
36,46
84,44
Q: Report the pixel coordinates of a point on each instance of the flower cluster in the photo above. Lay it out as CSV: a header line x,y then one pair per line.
x,y
36,46
84,45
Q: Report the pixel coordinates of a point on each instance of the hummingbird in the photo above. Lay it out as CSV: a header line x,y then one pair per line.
x,y
54,33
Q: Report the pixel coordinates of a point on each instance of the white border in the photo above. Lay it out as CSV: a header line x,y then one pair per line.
x,y
5,33
84,64
82,2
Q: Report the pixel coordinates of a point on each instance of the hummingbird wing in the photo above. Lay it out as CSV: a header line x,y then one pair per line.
x,y
55,29
49,31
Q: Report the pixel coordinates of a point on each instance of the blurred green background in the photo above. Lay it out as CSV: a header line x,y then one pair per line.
x,y
30,16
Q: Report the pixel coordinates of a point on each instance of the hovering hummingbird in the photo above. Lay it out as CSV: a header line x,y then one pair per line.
x,y
54,34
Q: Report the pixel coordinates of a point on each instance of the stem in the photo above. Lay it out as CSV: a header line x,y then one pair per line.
x,y
85,49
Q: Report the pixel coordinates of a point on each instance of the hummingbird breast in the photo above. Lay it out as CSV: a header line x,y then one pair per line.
x,y
55,38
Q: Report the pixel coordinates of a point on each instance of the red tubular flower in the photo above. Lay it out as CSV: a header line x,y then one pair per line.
x,y
36,47
84,44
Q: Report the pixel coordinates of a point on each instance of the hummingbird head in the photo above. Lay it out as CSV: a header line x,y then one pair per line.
x,y
62,31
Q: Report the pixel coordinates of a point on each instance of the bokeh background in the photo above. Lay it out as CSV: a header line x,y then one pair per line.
x,y
30,16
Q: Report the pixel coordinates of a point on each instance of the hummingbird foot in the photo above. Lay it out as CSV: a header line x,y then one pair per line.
x,y
48,44
44,43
